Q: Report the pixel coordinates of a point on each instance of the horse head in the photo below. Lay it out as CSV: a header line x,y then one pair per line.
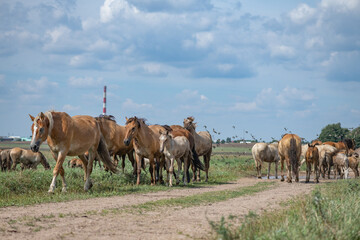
x,y
131,129
164,139
189,124
40,130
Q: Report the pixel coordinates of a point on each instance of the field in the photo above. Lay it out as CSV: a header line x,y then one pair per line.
x,y
232,205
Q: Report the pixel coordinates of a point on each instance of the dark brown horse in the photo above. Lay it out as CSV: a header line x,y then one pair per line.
x,y
70,136
290,151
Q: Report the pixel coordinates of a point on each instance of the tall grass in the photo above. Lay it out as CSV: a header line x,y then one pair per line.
x,y
330,212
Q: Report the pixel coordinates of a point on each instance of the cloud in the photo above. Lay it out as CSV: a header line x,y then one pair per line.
x,y
343,66
85,82
111,8
302,14
244,106
192,96
149,69
36,86
130,104
70,108
172,5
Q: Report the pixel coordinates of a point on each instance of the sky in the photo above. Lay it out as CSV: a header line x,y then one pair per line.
x,y
241,68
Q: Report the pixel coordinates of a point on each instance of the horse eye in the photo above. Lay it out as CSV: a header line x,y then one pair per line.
x,y
41,131
133,129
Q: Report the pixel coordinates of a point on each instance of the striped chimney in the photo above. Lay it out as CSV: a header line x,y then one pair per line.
x,y
104,102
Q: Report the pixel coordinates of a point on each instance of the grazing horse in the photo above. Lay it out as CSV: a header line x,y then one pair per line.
x,y
70,136
27,158
174,148
146,144
75,163
326,153
5,159
203,144
263,152
114,136
289,151
312,158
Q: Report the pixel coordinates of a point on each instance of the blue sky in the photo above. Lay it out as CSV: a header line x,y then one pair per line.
x,y
260,66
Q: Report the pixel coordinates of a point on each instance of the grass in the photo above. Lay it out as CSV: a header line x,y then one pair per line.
x,y
29,187
330,212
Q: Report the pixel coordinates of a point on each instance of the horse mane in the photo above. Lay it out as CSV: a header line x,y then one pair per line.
x,y
167,128
350,143
48,114
143,120
106,117
191,118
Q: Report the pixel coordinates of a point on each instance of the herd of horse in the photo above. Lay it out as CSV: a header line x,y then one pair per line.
x,y
317,155
100,138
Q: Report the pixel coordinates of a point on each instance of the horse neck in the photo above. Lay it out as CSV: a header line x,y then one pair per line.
x,y
142,136
51,121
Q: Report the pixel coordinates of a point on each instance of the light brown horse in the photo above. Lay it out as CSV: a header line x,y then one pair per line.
x,y
312,158
114,136
203,144
27,158
290,151
146,144
75,163
70,136
264,152
339,145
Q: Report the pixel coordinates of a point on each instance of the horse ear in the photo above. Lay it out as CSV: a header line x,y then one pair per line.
x,y
126,119
309,145
32,118
42,116
161,132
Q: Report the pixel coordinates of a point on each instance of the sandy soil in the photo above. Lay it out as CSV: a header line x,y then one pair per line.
x,y
95,218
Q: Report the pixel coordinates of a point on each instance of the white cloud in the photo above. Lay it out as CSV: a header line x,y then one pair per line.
x,y
131,105
203,39
85,81
70,108
282,51
58,33
188,95
340,5
111,8
302,14
36,86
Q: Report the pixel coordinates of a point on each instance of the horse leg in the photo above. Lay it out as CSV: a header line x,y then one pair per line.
x,y
207,166
171,170
58,167
276,169
258,168
84,162
133,162
179,163
138,165
268,175
162,163
88,184
152,170
167,166
308,171
289,177
317,173
282,168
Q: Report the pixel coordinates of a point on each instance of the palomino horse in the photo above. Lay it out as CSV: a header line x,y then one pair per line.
x,y
289,151
263,152
174,148
27,158
70,136
146,144
203,144
312,158
114,136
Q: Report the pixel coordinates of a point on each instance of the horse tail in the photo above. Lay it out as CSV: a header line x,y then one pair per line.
x,y
44,161
105,156
196,161
293,155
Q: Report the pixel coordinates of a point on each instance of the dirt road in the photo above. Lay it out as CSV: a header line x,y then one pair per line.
x,y
105,218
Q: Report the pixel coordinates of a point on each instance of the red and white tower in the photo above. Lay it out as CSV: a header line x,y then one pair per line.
x,y
104,102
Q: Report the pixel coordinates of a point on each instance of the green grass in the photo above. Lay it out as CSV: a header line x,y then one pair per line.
x,y
205,198
232,149
28,187
330,212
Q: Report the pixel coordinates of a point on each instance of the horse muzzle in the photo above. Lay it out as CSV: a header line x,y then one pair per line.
x,y
35,147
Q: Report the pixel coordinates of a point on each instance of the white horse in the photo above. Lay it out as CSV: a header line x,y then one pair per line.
x,y
263,152
178,149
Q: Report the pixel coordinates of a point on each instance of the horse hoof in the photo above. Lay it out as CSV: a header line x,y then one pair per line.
x,y
282,179
51,191
64,190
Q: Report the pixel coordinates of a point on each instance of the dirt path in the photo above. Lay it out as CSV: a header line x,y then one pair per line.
x,y
94,218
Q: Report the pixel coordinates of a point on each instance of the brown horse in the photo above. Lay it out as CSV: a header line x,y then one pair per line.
x,y
5,159
146,144
75,163
312,158
70,136
290,151
339,145
203,144
114,136
27,158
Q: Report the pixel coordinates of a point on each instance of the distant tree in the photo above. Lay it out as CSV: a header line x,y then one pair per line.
x,y
333,132
223,141
228,140
355,134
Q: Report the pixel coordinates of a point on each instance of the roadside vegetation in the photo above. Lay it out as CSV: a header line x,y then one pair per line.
x,y
330,212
